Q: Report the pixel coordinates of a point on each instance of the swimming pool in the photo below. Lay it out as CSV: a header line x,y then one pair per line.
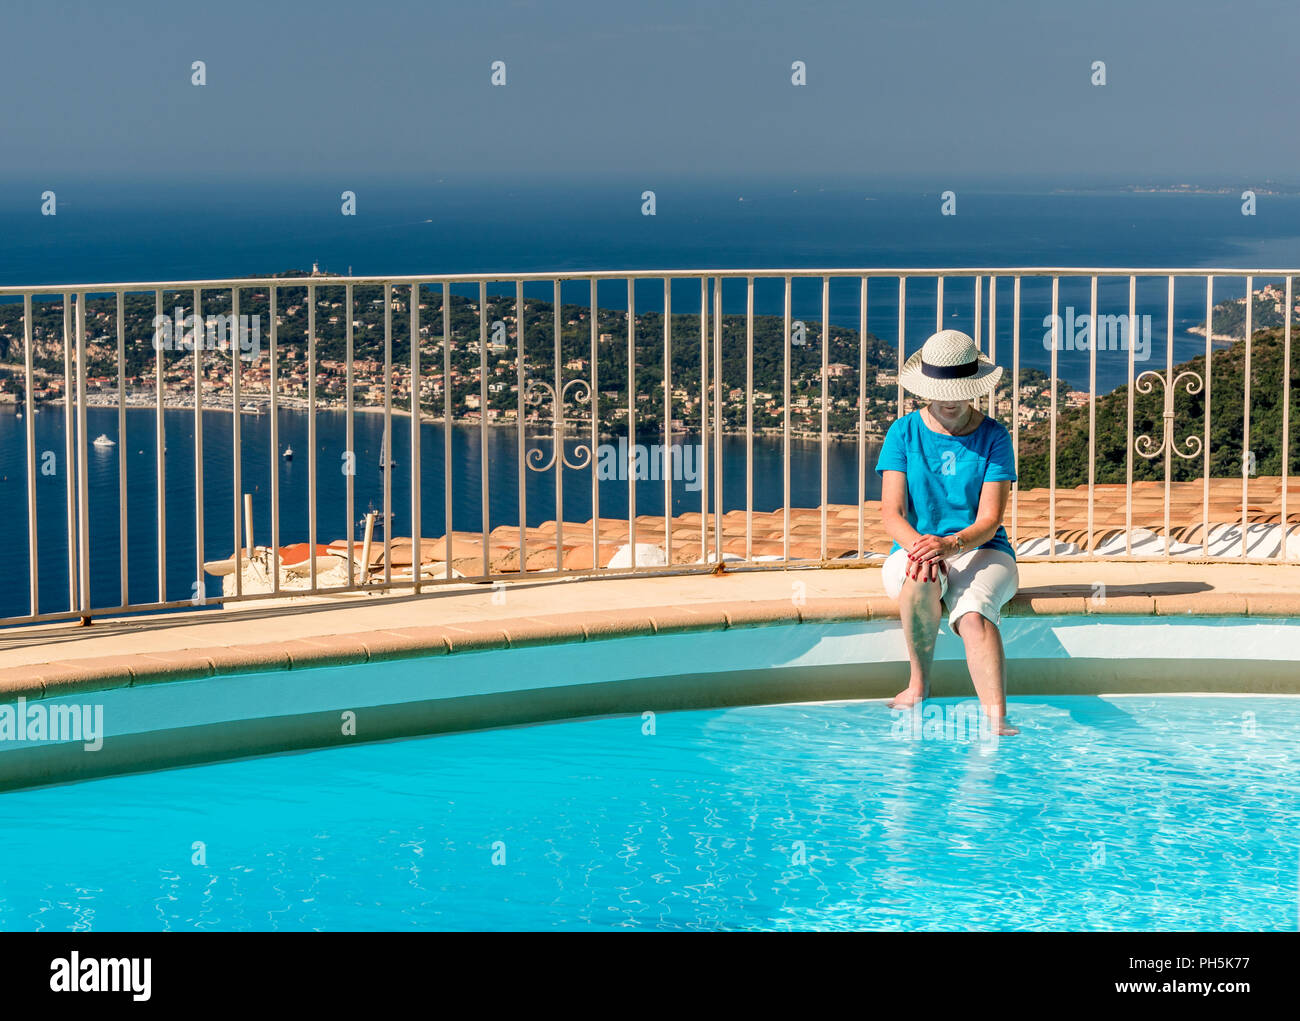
x,y
145,726
1119,812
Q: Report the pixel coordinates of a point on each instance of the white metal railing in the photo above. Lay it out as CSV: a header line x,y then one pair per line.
x,y
537,384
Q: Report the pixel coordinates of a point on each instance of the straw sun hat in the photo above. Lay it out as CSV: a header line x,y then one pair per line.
x,y
949,367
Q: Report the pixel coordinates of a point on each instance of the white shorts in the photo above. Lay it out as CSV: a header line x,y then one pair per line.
x,y
979,580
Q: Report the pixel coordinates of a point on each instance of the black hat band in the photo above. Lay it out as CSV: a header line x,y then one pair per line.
x,y
949,371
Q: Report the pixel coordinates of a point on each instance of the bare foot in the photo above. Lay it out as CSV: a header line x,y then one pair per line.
x,y
1002,727
907,698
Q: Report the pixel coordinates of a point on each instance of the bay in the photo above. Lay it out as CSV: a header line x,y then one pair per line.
x,y
258,461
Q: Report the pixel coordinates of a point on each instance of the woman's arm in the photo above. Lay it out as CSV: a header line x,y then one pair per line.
x,y
893,515
988,519
893,509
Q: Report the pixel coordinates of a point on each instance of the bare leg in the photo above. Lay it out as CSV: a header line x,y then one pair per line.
x,y
988,669
919,608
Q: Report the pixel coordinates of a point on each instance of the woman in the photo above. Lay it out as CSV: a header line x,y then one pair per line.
x,y
946,471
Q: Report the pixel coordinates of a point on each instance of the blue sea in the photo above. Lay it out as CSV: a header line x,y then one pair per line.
x,y
116,232
258,461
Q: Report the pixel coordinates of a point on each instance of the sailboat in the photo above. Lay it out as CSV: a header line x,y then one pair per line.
x,y
379,520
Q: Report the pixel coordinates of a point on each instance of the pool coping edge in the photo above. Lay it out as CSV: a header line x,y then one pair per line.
x,y
63,676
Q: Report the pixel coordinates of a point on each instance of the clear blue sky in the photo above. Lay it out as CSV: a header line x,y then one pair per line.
x,y
1197,91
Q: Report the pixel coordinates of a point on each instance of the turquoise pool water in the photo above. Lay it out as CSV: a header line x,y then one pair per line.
x,y
1107,813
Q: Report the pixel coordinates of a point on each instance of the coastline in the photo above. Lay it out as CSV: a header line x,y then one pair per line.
x,y
1217,338
532,429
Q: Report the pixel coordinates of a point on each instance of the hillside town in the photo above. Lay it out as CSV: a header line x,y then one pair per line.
x,y
459,379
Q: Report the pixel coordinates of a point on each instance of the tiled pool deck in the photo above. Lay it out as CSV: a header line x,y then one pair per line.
x,y
46,660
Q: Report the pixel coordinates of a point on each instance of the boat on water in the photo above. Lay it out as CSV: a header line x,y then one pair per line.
x,y
288,453
378,517
102,440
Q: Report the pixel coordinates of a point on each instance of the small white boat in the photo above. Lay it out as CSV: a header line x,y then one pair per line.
x,y
288,453
102,440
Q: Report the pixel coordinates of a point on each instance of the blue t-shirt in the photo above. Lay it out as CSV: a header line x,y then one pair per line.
x,y
946,473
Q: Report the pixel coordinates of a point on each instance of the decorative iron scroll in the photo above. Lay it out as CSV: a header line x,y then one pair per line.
x,y
535,392
1144,444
